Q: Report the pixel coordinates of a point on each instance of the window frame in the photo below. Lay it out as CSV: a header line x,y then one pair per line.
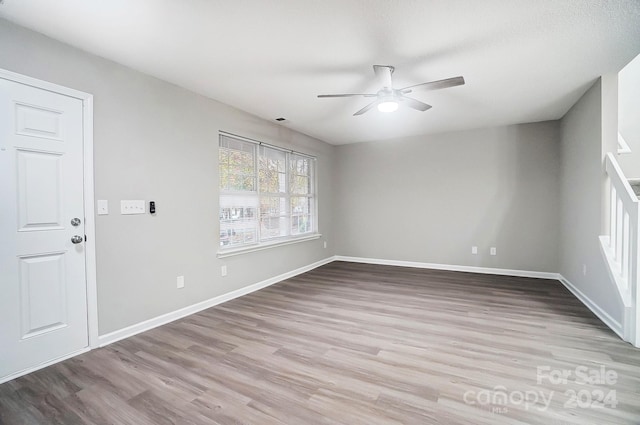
x,y
260,151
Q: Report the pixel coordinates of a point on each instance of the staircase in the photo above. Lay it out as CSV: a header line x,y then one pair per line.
x,y
621,247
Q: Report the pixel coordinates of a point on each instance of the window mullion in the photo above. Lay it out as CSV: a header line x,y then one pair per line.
x,y
313,186
256,169
287,186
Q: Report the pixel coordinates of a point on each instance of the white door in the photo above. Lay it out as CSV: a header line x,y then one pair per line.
x,y
43,292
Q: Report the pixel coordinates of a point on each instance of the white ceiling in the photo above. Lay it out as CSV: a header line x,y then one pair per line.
x,y
523,60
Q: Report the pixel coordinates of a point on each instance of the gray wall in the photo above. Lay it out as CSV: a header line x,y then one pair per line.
x,y
430,198
156,141
629,116
582,215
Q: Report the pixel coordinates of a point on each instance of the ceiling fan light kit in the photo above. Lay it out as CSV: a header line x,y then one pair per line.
x,y
388,105
389,99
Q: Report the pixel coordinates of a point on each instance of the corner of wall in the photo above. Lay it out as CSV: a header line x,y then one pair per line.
x,y
583,193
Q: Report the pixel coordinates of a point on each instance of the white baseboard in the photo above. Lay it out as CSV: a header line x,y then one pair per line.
x,y
8,378
451,267
595,308
203,305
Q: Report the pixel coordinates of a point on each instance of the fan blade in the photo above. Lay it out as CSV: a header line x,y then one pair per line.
x,y
383,72
436,85
366,108
347,95
415,104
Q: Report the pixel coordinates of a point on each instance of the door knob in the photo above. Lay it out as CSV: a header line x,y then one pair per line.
x,y
77,239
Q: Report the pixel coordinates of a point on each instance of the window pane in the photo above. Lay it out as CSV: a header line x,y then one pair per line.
x,y
237,164
238,220
300,165
249,183
272,181
300,205
238,236
273,217
300,185
273,206
223,162
301,215
224,178
273,227
275,158
300,179
242,161
301,224
237,214
240,182
272,164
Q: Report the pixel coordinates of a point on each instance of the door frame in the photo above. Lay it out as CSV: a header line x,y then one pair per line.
x,y
89,202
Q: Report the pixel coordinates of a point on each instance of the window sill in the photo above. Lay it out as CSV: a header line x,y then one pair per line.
x,y
266,245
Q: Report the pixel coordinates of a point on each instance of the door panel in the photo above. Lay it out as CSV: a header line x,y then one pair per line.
x,y
39,188
38,122
43,302
43,293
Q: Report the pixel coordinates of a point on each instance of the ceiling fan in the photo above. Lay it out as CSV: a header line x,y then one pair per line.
x,y
388,99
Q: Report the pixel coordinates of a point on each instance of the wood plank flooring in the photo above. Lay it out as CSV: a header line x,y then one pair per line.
x,y
352,344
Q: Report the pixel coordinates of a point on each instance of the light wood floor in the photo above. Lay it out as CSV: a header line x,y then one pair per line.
x,y
349,344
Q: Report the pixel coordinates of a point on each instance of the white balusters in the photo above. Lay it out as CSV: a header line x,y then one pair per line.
x,y
623,231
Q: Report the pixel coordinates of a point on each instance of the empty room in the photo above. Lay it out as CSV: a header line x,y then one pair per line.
x,y
319,212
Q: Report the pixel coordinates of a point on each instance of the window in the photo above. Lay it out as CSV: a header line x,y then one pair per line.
x,y
267,194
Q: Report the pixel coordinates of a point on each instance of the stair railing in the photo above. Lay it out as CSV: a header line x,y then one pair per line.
x,y
621,246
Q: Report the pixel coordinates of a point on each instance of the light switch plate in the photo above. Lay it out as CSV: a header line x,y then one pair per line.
x,y
103,207
132,207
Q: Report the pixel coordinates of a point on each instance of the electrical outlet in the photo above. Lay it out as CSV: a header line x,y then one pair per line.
x,y
325,244
474,250
223,271
180,282
584,269
492,250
